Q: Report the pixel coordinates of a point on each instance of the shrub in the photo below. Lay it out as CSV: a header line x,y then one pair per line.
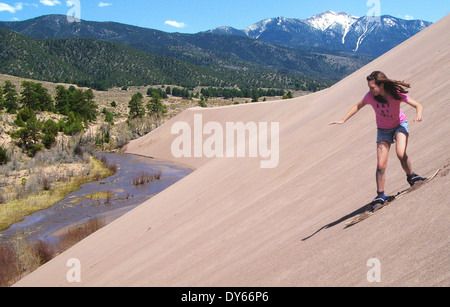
x,y
48,140
8,267
109,117
46,185
73,125
19,257
23,116
28,137
50,127
112,167
78,233
145,177
289,95
44,251
3,156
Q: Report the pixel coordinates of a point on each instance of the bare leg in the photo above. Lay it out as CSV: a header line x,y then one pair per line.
x,y
401,144
382,157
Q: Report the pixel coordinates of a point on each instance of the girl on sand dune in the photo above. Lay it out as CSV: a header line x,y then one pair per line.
x,y
385,96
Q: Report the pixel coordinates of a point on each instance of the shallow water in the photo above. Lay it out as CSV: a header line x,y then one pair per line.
x,y
76,208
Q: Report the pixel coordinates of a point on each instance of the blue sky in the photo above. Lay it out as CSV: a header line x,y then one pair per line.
x,y
192,16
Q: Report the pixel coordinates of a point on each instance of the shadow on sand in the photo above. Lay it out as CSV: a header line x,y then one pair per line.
x,y
348,216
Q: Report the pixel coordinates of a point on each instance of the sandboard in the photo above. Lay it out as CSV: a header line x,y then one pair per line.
x,y
389,200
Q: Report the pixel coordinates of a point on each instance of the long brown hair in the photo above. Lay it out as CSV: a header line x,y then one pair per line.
x,y
392,87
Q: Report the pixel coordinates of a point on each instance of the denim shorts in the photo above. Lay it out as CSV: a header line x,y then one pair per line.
x,y
388,135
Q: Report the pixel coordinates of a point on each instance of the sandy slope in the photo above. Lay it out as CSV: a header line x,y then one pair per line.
x,y
232,223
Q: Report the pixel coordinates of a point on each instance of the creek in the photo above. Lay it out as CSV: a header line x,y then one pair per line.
x,y
83,205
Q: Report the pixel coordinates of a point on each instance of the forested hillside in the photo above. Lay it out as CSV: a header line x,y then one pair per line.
x,y
99,64
214,60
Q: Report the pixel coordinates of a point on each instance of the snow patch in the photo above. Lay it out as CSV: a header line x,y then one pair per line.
x,y
325,20
390,22
367,30
340,22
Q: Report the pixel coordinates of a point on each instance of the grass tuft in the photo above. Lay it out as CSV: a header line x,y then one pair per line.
x,y
145,177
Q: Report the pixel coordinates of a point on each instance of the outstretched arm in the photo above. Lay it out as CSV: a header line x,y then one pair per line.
x,y
350,113
419,109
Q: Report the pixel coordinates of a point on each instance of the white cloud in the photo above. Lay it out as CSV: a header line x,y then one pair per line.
x,y
103,4
175,24
12,9
408,17
50,2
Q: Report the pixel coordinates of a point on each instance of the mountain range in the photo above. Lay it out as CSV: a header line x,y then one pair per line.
x,y
277,52
341,31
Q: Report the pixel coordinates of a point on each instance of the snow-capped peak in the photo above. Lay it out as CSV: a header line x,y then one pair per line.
x,y
329,18
263,23
260,26
257,29
223,29
330,29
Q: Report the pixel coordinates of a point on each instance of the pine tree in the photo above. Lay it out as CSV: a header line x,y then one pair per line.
x,y
36,97
77,101
87,106
2,101
28,137
136,106
10,97
255,96
156,107
62,101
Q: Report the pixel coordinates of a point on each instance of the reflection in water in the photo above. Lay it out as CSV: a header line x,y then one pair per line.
x,y
92,201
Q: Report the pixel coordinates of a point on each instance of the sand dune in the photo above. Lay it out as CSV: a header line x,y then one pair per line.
x,y
233,223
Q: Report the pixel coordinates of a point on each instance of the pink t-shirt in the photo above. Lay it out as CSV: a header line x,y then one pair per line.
x,y
388,114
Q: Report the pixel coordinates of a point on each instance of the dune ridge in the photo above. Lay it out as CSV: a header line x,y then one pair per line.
x,y
233,223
